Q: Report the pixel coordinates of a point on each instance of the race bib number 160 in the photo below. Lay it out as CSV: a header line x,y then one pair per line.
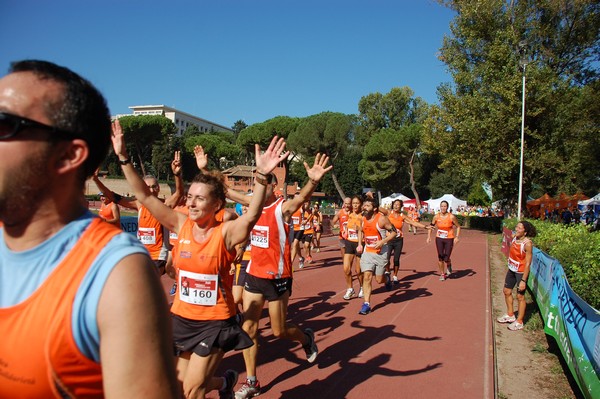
x,y
197,288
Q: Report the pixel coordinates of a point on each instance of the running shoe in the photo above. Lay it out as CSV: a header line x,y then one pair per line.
x,y
442,277
360,293
248,390
395,280
349,294
318,250
388,281
365,309
301,263
231,378
308,259
515,326
506,319
311,346
173,289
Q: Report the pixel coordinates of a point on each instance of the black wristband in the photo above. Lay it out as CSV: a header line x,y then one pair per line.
x,y
116,197
124,161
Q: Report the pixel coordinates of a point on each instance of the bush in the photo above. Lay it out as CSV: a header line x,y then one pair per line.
x,y
485,223
577,250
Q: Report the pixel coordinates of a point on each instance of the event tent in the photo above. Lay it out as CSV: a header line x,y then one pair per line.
x,y
413,202
453,202
387,201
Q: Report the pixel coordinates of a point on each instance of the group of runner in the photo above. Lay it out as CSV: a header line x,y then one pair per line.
x,y
82,309
375,236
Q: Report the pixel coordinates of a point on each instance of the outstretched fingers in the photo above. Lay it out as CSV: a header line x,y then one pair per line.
x,y
272,156
118,138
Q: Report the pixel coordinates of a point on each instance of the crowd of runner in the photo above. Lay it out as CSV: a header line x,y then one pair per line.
x,y
82,309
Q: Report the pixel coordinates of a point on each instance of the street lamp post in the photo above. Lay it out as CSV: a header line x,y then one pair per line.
x,y
523,64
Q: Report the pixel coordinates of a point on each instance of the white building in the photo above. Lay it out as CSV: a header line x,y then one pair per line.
x,y
181,119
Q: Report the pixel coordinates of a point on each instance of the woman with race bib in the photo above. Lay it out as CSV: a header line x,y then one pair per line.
x,y
519,261
203,311
445,238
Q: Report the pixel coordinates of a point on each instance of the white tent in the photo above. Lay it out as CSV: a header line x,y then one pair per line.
x,y
453,202
595,200
387,201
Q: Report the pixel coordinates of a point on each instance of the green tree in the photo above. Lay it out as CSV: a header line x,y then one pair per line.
x,y
326,133
262,134
476,128
238,126
142,132
390,130
221,153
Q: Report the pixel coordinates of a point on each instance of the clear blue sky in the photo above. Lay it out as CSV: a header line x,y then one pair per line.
x,y
225,60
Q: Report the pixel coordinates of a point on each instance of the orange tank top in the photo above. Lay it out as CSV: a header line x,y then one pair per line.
x,y
397,219
343,219
516,255
38,351
106,213
372,233
444,226
270,255
150,233
204,282
308,223
173,235
298,220
354,221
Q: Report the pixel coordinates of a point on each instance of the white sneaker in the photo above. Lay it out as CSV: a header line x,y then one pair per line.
x,y
360,293
301,263
349,294
506,319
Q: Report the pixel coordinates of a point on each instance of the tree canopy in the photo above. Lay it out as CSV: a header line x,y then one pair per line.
x,y
476,127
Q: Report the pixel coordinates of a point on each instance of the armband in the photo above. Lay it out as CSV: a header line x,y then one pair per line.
x,y
261,180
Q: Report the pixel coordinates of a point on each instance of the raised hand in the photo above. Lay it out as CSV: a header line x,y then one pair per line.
x,y
176,163
271,157
319,167
201,157
118,139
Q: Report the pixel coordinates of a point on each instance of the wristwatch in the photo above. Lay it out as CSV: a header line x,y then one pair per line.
x,y
124,161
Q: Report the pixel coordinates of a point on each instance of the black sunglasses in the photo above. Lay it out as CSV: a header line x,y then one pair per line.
x,y
11,125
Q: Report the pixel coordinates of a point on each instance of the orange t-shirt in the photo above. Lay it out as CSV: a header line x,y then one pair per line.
x,y
37,346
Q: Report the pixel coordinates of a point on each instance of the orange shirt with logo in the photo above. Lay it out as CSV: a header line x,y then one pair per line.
x,y
204,282
37,347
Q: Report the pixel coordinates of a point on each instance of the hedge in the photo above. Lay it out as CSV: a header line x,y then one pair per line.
x,y
577,250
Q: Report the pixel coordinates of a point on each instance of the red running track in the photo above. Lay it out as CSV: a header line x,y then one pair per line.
x,y
424,339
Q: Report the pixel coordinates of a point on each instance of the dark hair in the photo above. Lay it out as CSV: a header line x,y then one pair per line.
x,y
216,181
447,204
398,200
81,110
530,230
358,197
372,201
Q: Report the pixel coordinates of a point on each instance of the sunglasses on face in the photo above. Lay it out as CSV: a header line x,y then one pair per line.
x,y
11,125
